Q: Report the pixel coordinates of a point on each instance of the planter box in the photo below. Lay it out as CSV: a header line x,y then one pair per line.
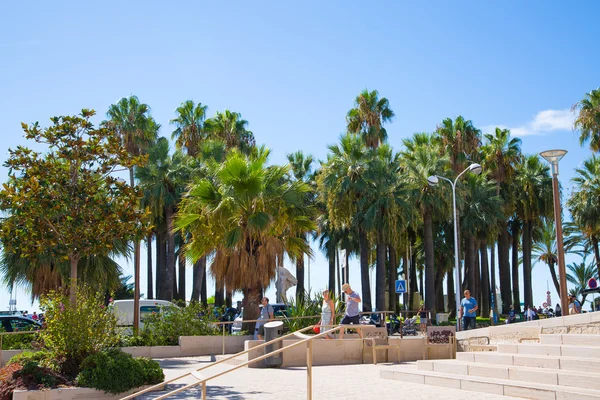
x,y
74,393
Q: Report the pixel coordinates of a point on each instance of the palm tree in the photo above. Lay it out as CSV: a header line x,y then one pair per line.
x,y
588,119
190,133
422,159
583,203
229,127
162,182
459,140
579,274
544,249
254,214
500,155
189,122
301,166
132,121
533,200
368,116
341,184
382,208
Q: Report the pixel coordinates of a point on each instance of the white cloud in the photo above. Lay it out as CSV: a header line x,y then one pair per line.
x,y
543,122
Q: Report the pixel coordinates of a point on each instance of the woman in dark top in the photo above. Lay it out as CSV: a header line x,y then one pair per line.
x,y
423,314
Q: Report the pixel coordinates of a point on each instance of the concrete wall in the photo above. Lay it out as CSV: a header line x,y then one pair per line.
x,y
349,351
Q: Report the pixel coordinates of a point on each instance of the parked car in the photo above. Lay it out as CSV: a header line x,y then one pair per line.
x,y
124,310
279,311
15,323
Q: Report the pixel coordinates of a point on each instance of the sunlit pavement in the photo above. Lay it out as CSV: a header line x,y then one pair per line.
x,y
329,382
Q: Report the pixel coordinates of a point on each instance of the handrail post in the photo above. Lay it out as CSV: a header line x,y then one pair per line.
x,y
204,390
309,360
223,325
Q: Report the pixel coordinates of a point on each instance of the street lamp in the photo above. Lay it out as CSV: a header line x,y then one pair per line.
x,y
433,181
553,157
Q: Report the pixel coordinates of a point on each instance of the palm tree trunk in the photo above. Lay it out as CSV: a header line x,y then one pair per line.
x,y
477,285
74,260
450,291
406,271
219,293
430,294
250,304
527,242
470,256
203,290
228,297
596,253
168,278
331,259
380,273
485,280
300,277
182,262
504,268
197,276
413,271
136,271
439,290
553,275
161,262
392,276
515,269
150,292
364,269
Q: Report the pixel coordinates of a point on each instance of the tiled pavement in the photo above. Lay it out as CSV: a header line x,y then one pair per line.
x,y
329,382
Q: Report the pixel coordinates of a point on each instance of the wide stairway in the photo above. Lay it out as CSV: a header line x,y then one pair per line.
x,y
550,366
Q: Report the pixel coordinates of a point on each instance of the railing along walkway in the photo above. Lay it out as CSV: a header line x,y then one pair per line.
x,y
202,380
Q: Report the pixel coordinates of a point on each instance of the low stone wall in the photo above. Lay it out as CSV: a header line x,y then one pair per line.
x,y
73,393
349,351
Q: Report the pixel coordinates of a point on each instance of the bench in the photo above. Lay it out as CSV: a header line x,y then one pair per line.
x,y
377,339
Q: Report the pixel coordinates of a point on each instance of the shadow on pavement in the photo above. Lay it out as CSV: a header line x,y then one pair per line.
x,y
212,392
180,363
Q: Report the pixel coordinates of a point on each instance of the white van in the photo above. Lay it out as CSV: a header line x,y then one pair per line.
x,y
124,310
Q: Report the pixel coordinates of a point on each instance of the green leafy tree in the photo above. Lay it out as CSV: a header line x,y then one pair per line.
x,y
66,204
544,249
579,274
588,119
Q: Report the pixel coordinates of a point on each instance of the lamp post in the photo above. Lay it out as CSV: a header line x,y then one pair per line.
x,y
553,157
434,181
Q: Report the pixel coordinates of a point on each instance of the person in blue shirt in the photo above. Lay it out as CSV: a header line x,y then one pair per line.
x,y
468,311
511,315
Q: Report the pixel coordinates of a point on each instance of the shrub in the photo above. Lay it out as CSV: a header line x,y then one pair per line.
x,y
17,342
75,332
42,357
306,307
116,372
165,327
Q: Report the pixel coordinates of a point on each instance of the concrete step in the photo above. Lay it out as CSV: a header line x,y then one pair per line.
x,y
571,339
551,350
532,360
505,387
548,376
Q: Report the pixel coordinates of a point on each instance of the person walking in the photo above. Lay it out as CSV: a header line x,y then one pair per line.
x,y
468,310
327,313
266,314
351,316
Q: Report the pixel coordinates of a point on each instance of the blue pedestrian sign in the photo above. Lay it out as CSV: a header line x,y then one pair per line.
x,y
401,286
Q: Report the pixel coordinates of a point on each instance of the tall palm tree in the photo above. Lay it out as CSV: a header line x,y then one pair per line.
x,y
382,208
500,155
533,200
583,203
229,127
132,121
189,123
459,140
341,184
162,181
254,214
190,133
545,250
588,119
422,159
301,166
367,117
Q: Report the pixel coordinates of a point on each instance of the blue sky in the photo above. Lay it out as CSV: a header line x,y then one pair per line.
x,y
293,69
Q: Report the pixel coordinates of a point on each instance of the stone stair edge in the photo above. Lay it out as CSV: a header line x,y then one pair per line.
x,y
514,367
573,390
521,355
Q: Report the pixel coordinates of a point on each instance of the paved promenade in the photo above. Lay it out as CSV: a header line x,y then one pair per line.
x,y
330,382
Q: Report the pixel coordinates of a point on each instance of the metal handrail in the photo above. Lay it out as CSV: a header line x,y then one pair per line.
x,y
202,380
